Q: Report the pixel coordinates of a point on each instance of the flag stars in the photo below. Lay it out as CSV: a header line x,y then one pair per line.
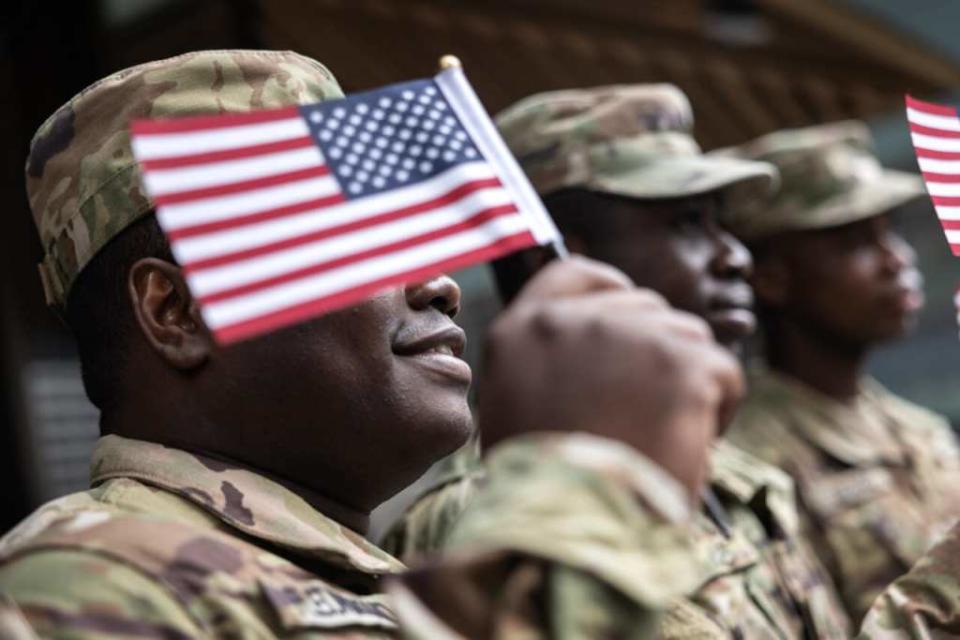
x,y
373,143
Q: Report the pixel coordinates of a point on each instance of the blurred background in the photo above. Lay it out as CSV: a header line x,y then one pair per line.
x,y
749,67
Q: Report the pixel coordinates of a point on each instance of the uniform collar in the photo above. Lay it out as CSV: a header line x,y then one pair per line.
x,y
242,499
855,432
766,490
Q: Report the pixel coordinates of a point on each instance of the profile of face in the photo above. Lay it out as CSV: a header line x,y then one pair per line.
x,y
355,404
856,284
678,248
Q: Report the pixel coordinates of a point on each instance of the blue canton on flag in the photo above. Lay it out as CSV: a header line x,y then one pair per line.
x,y
381,140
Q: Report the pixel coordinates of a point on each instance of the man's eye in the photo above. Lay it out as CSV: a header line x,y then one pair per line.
x,y
689,221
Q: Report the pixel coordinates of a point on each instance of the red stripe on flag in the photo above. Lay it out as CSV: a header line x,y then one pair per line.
x,y
949,224
946,201
244,185
942,177
929,107
455,195
937,155
473,221
227,154
220,121
955,248
253,218
291,315
936,133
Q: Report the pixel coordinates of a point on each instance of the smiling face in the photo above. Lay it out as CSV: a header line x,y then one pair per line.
x,y
856,284
675,247
358,402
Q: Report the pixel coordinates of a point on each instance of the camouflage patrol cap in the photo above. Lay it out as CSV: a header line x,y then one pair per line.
x,y
82,181
829,177
632,140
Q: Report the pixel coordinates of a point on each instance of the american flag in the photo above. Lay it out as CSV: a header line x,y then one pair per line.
x,y
935,130
278,216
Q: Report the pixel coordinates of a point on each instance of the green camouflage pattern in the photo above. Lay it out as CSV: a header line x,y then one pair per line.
x,y
82,181
631,140
592,542
876,478
760,580
169,544
829,177
427,523
925,603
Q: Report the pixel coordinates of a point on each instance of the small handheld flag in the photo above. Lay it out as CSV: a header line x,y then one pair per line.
x,y
279,216
935,131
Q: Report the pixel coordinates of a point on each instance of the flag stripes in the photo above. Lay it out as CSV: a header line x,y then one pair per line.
x,y
277,216
935,131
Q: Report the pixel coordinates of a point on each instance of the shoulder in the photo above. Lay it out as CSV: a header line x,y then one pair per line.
x,y
92,595
183,572
909,414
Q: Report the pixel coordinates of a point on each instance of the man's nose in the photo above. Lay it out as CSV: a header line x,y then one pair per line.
x,y
441,293
733,259
898,254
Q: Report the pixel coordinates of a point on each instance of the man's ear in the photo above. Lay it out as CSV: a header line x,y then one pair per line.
x,y
168,316
771,281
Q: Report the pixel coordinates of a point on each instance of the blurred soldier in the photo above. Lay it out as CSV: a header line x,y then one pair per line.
x,y
626,184
876,475
232,487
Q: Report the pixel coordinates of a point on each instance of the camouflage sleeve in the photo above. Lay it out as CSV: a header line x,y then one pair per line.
x,y
80,595
571,536
924,603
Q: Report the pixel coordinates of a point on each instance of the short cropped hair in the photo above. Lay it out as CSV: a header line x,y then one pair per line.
x,y
99,312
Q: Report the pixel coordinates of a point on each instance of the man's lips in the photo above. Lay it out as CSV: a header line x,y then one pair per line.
x,y
438,352
448,341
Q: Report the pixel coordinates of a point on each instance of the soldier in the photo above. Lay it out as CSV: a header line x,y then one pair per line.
x,y
625,182
232,486
876,475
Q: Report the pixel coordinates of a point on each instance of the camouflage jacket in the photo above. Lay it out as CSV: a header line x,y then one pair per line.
x,y
760,580
173,545
925,603
876,478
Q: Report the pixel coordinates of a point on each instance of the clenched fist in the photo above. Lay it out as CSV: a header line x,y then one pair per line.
x,y
582,349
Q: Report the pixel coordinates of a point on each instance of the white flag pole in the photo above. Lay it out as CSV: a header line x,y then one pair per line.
x,y
455,87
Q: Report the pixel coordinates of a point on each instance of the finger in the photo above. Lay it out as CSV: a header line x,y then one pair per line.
x,y
572,277
629,305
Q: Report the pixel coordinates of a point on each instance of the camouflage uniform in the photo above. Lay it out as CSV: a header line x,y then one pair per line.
x,y
174,545
876,476
923,604
762,580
